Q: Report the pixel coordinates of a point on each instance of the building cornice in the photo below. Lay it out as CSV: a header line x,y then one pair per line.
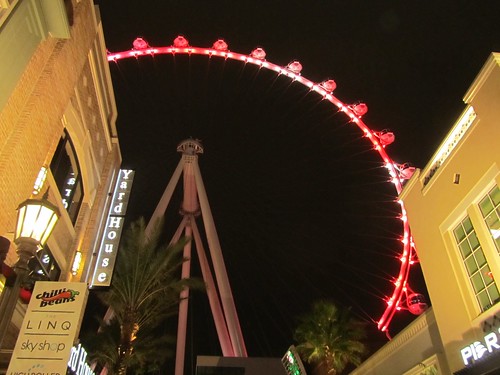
x,y
419,325
492,62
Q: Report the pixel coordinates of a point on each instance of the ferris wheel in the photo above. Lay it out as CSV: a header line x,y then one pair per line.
x,y
402,297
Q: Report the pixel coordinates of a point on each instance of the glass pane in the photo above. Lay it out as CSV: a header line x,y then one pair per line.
x,y
486,275
485,206
467,225
66,171
465,249
480,258
477,282
492,221
484,300
493,292
470,264
48,264
54,272
495,196
474,242
459,233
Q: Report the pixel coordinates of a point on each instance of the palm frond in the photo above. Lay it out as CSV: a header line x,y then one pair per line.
x,y
329,335
145,291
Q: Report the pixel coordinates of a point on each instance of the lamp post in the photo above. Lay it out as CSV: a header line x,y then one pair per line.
x,y
36,219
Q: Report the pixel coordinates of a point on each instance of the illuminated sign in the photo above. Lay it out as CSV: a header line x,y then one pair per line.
x,y
106,256
49,328
68,190
478,349
77,363
292,363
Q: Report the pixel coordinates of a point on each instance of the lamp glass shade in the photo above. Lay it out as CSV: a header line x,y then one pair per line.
x,y
36,220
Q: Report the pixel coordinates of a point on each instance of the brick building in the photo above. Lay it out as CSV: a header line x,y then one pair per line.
x,y
57,111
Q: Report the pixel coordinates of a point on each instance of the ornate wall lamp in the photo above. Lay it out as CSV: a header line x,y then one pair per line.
x,y
36,218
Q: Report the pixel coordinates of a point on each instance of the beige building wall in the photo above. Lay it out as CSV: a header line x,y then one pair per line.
x,y
461,173
55,78
416,350
463,170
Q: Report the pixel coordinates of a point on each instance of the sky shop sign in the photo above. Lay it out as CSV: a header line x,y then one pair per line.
x,y
478,349
106,256
49,329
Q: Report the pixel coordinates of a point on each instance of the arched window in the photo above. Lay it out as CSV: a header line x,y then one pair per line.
x,y
66,172
43,266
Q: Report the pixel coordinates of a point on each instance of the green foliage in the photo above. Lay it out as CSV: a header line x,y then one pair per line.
x,y
103,346
145,291
328,337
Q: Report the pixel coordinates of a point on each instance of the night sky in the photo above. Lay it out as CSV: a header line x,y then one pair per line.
x,y
301,202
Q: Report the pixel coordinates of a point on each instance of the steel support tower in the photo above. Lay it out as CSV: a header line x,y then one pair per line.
x,y
219,293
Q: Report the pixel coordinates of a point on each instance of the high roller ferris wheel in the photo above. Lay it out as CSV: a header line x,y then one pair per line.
x,y
402,297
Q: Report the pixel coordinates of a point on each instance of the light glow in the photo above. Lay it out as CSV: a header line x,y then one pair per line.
x,y
76,263
495,233
40,180
354,113
450,142
35,221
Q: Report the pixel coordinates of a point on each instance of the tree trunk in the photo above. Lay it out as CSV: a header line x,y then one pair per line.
x,y
321,368
126,348
123,358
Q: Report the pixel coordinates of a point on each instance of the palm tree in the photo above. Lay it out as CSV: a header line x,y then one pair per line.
x,y
329,338
144,292
103,348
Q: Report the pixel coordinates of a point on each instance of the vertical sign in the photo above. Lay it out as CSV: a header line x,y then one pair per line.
x,y
68,190
49,328
77,363
292,363
106,256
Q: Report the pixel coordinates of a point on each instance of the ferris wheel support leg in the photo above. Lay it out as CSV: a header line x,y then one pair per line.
x,y
213,297
165,198
180,229
183,305
220,269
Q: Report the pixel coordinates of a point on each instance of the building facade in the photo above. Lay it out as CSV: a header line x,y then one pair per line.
x,y
417,350
453,205
57,114
454,210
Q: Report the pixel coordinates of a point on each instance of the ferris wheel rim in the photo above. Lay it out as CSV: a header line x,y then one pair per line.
x,y
293,72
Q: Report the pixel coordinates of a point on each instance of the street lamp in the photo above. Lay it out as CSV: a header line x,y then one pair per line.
x,y
36,218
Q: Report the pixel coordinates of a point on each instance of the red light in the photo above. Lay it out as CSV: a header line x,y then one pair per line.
x,y
181,42
295,67
258,53
354,111
220,45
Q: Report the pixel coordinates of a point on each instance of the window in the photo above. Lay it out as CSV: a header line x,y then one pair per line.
x,y
490,208
42,267
477,267
68,5
66,171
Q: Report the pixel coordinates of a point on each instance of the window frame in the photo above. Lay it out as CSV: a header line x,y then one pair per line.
x,y
476,257
493,213
68,176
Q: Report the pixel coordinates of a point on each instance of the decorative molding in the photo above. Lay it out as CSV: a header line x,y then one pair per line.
x,y
451,141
